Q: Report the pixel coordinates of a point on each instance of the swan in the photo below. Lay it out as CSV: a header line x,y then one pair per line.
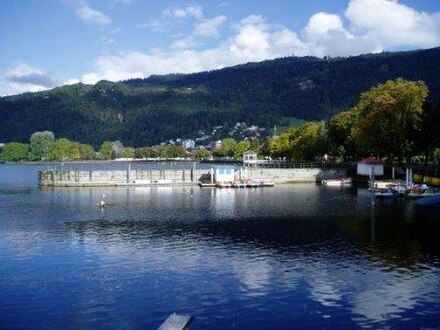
x,y
102,202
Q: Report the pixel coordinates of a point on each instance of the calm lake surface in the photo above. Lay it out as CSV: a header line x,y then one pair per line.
x,y
292,256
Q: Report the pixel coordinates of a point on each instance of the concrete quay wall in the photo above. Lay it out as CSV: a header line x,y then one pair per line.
x,y
177,177
290,175
117,178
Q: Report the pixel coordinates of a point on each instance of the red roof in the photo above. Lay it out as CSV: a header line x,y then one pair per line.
x,y
370,160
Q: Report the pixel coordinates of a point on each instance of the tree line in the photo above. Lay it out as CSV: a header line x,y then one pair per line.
x,y
43,146
145,112
391,121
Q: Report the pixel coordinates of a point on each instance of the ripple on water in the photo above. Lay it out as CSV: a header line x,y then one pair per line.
x,y
298,255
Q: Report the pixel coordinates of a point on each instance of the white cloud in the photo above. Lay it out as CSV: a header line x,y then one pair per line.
x,y
368,26
326,35
25,78
171,18
186,12
90,15
107,40
209,27
321,24
72,81
254,41
393,24
184,43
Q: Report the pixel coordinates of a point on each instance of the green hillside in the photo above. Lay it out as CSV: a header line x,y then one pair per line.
x,y
148,111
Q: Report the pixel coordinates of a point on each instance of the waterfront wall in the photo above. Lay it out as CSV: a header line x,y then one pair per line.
x,y
177,177
288,175
117,178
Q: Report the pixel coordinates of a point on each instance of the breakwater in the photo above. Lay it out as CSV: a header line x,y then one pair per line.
x,y
98,178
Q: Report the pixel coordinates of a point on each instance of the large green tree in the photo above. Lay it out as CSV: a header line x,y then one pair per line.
x,y
240,148
339,134
14,151
309,142
389,115
227,147
106,150
40,144
59,150
428,138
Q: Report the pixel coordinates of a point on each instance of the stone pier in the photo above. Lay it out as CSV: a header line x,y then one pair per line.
x,y
177,177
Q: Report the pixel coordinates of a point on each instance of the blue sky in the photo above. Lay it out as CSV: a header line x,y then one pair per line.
x,y
47,43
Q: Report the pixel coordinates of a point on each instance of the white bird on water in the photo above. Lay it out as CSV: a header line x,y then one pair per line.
x,y
102,202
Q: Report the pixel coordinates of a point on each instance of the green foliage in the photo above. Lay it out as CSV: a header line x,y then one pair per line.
x,y
170,151
146,152
428,138
227,148
14,151
47,149
278,147
339,134
288,122
240,148
40,144
106,150
86,151
60,150
142,112
437,155
202,154
128,153
389,115
308,142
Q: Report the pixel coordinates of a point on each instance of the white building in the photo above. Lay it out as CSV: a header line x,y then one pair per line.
x,y
224,174
250,157
370,166
189,144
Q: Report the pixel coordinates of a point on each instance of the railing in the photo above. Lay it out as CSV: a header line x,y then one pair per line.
x,y
272,164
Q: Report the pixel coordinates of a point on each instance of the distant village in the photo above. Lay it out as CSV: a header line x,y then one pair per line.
x,y
212,140
227,143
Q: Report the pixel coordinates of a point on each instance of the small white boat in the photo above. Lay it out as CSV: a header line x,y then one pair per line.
x,y
252,184
206,184
239,184
386,194
337,182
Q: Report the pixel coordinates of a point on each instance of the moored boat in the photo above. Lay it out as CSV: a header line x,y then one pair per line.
x,y
337,182
238,184
385,194
428,200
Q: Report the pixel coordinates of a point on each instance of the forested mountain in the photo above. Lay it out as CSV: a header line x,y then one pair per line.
x,y
147,111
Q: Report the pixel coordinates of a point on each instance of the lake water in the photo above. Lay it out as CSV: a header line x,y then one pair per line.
x,y
292,256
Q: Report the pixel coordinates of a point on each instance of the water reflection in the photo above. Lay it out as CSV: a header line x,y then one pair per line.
x,y
246,257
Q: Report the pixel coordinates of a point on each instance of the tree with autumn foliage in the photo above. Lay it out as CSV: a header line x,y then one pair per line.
x,y
387,118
